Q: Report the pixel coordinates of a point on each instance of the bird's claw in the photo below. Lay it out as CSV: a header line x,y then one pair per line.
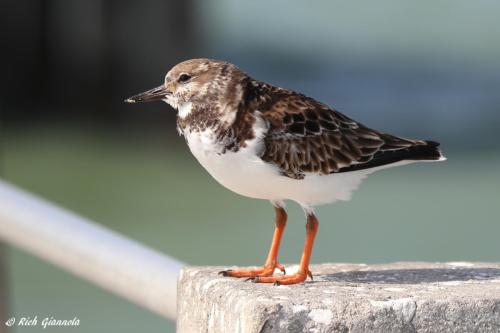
x,y
281,268
266,270
225,273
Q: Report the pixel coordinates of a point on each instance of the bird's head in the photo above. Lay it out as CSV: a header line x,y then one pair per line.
x,y
197,82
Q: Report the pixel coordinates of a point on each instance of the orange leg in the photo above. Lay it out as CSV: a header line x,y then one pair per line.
x,y
303,272
272,258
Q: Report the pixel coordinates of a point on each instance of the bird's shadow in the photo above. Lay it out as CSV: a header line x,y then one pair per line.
x,y
413,276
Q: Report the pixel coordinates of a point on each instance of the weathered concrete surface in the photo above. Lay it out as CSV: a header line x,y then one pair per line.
x,y
400,297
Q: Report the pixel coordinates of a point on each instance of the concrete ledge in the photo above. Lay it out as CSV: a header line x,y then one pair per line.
x,y
399,297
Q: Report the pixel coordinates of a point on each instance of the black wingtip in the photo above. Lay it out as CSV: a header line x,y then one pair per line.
x,y
429,151
418,151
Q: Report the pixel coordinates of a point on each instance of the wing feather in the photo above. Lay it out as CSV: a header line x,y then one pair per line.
x,y
306,136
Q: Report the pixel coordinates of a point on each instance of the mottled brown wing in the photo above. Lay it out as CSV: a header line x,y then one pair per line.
x,y
307,136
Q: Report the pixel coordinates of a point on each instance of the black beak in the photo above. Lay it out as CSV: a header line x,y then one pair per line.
x,y
155,94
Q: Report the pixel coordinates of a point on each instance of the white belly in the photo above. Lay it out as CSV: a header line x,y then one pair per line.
x,y
245,173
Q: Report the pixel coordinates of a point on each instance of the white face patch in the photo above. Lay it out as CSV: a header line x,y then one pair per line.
x,y
185,109
171,101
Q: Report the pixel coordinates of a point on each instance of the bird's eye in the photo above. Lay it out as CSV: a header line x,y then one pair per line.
x,y
184,78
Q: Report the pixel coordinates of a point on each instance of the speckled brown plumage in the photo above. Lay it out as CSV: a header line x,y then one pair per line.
x,y
306,136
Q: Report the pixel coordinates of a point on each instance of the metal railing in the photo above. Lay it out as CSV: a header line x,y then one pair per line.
x,y
89,250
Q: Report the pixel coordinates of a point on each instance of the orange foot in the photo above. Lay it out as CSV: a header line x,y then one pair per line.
x,y
279,280
267,270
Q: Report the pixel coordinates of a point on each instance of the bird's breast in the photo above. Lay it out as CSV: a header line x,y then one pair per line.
x,y
239,170
204,144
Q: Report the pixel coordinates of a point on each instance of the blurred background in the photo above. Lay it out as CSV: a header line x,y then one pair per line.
x,y
427,70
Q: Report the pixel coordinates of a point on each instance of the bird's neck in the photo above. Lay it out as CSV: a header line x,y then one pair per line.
x,y
230,124
197,117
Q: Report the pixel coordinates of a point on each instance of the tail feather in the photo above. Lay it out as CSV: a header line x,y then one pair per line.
x,y
428,151
417,151
406,150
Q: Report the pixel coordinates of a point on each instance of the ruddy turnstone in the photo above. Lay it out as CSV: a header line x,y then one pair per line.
x,y
272,143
